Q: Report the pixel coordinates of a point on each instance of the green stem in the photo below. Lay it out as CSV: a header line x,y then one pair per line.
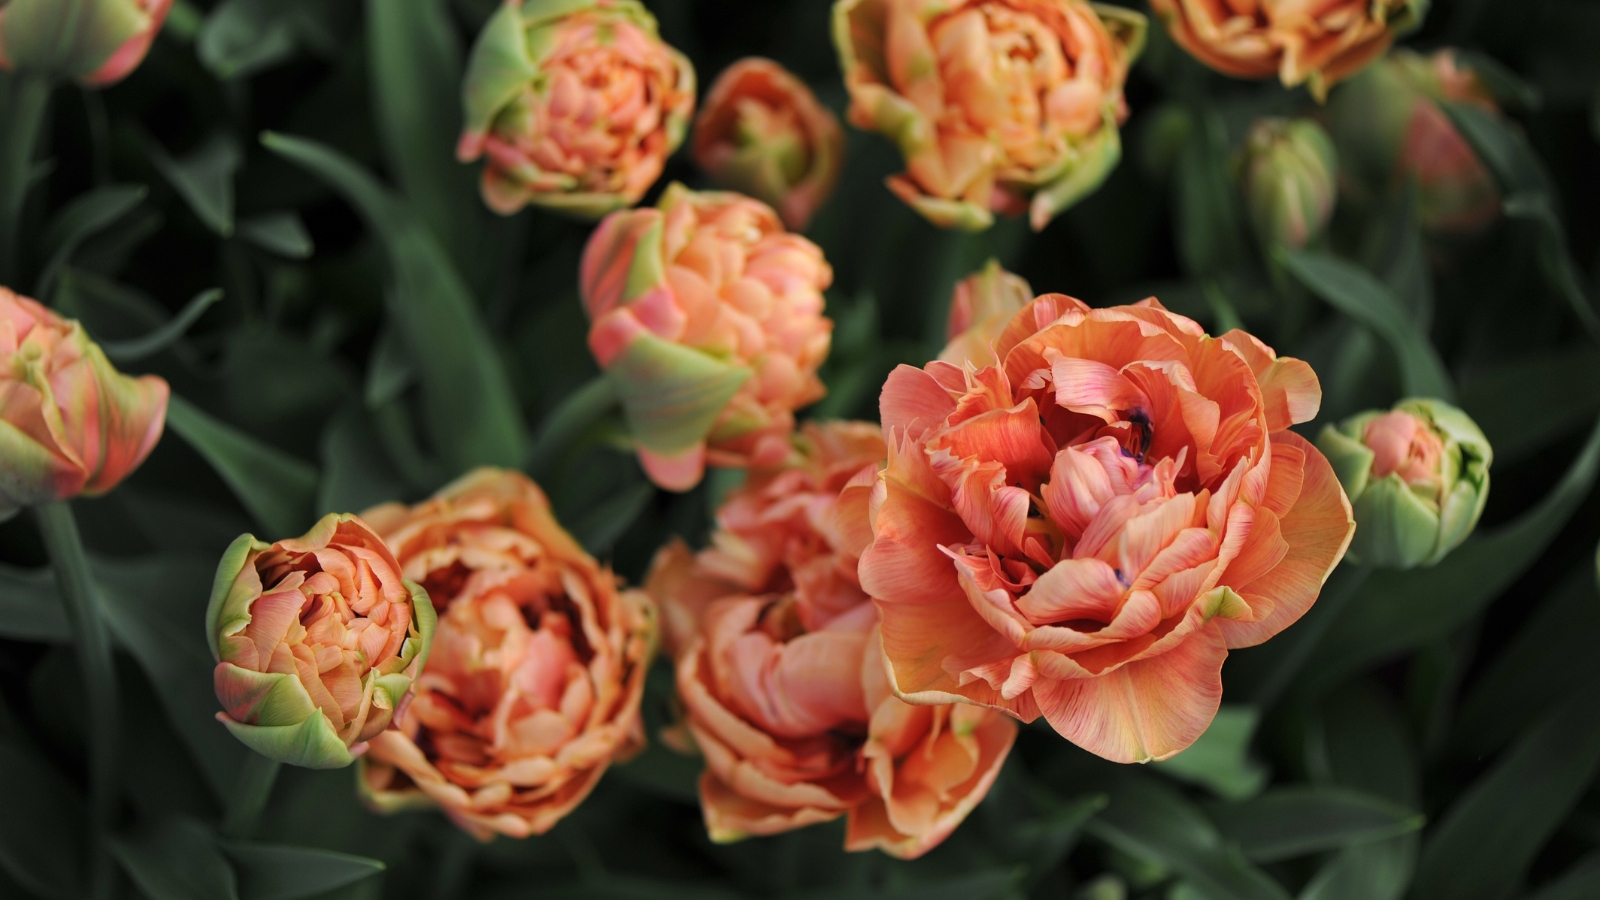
x,y
250,795
581,409
60,533
26,97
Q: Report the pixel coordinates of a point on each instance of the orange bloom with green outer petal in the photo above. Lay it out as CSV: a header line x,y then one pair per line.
x,y
576,104
1313,42
533,686
999,106
761,131
781,676
1084,530
706,315
70,423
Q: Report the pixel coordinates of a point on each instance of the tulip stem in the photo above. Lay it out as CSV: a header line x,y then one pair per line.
x,y
581,409
87,622
22,115
249,797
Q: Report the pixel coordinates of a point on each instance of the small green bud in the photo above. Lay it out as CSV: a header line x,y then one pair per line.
x,y
1290,175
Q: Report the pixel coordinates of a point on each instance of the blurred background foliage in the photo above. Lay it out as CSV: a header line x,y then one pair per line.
x,y
1432,734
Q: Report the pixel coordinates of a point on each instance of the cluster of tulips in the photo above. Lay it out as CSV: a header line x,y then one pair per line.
x,y
1072,513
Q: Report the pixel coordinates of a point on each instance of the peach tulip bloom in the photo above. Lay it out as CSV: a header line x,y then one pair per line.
x,y
576,104
534,682
707,317
781,675
762,132
1313,42
1084,530
999,106
70,423
980,307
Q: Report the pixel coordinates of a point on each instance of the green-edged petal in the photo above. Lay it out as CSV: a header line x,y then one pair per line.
x,y
312,744
262,698
228,610
1094,161
1395,528
499,69
672,394
1351,459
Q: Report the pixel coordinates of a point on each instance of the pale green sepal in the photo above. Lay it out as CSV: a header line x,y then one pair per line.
x,y
1457,517
542,12
34,41
312,744
585,206
648,268
389,802
393,688
425,619
672,394
1224,602
228,611
27,478
498,70
1395,528
958,214
1127,28
1351,459
1095,160
281,698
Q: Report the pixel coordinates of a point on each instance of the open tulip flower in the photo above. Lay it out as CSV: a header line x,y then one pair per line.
x,y
999,106
576,103
93,42
70,423
534,682
1418,478
318,640
762,132
1084,530
980,307
781,675
707,317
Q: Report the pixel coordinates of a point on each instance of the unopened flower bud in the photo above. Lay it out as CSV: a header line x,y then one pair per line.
x,y
92,42
1290,181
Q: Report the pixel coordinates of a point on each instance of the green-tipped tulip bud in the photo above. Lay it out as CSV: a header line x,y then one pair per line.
x,y
92,42
1290,177
1417,477
317,640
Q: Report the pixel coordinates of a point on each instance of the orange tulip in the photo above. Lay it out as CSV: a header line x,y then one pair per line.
x,y
70,423
538,663
782,679
1318,43
999,106
1084,530
762,132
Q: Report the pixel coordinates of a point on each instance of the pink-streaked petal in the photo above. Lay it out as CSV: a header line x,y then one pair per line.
x,y
1073,589
1093,388
912,402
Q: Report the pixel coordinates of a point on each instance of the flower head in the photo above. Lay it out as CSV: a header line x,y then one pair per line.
x,y
762,132
707,316
980,307
782,679
999,106
534,682
1417,476
1084,530
95,42
576,103
1290,181
317,640
1318,44
70,423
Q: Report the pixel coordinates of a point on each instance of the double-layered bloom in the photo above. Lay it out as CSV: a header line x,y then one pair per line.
x,y
576,103
1290,174
1391,130
1418,478
999,106
1084,530
534,682
1316,43
980,307
707,317
317,640
762,132
93,42
782,679
70,423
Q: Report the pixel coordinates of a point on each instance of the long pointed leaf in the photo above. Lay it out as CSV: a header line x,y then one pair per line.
x,y
278,490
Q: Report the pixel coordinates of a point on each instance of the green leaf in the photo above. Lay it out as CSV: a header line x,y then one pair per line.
x,y
273,872
472,413
1398,611
985,884
1150,820
81,219
1581,882
163,337
203,178
241,37
356,473
1518,410
1219,760
1354,292
29,607
279,490
1295,821
389,370
175,860
1485,841
1376,871
605,523
41,825
1210,233
278,232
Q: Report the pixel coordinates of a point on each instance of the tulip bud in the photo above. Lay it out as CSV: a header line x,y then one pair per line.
x,y
70,423
1390,128
93,42
763,133
707,317
317,640
981,306
576,103
1417,477
1290,181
